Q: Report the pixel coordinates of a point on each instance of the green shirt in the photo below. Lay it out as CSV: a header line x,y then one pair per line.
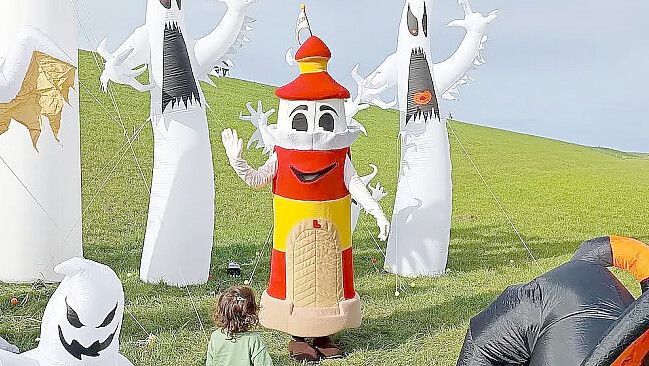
x,y
244,349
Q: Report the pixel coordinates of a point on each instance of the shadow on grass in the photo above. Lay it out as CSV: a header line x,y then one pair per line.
x,y
488,247
401,326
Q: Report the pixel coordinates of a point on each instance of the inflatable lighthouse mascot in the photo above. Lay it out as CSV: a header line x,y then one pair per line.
x,y
311,292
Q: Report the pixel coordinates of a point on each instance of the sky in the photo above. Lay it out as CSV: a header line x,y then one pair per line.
x,y
569,70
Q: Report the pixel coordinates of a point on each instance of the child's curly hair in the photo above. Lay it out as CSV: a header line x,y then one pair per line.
x,y
236,311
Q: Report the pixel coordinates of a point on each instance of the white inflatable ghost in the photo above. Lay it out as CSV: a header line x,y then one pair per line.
x,y
6,346
180,227
82,320
421,222
40,174
378,193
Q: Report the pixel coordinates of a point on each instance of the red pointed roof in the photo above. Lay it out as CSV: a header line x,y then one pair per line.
x,y
313,47
314,82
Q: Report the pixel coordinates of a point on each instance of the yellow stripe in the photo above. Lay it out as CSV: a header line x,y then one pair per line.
x,y
313,65
289,213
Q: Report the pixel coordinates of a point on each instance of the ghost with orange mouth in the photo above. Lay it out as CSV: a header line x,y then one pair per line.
x,y
421,220
311,292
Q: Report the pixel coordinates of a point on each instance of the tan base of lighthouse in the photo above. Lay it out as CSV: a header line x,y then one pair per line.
x,y
284,316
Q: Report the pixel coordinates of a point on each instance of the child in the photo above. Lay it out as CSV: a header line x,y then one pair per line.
x,y
233,344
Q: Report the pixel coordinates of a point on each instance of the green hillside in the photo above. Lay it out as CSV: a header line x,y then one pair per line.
x,y
558,195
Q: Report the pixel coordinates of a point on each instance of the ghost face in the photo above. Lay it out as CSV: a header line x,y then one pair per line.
x,y
311,117
171,67
168,3
82,320
74,323
168,7
421,100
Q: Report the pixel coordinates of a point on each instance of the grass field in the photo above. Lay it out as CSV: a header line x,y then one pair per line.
x,y
558,195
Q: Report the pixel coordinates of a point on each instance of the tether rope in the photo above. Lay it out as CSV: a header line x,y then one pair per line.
x,y
495,197
30,193
264,247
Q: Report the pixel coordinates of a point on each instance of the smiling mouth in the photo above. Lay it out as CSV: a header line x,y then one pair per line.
x,y
312,177
77,350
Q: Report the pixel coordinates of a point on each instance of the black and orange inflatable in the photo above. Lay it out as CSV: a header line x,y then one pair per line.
x,y
577,314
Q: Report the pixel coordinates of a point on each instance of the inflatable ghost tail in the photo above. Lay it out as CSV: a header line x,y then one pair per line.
x,y
615,251
627,342
601,324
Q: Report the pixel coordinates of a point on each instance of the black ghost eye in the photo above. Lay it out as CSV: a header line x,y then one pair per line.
x,y
327,122
413,23
300,122
179,2
109,318
166,3
424,22
73,317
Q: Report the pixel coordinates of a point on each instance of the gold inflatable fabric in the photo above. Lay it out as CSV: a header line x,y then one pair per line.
x,y
44,90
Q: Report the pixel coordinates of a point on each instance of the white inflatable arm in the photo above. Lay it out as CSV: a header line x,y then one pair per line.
x,y
253,178
449,72
386,75
359,192
13,67
121,65
6,346
12,359
227,37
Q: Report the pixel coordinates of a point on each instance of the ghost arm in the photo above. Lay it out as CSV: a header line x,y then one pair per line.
x,y
138,41
225,38
360,194
449,72
122,65
14,66
385,76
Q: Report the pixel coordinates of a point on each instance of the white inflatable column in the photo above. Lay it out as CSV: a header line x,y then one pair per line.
x,y
421,222
40,222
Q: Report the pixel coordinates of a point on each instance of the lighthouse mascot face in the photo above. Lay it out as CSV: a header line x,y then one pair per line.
x,y
82,320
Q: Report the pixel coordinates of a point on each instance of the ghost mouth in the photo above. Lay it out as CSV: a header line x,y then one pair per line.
x,y
77,350
422,99
312,177
178,82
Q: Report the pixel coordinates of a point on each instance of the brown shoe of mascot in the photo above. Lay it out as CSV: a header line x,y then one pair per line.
x,y
301,350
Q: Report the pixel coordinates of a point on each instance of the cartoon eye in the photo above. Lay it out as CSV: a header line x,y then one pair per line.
x,y
109,318
413,23
327,122
424,22
166,3
179,2
73,317
300,122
